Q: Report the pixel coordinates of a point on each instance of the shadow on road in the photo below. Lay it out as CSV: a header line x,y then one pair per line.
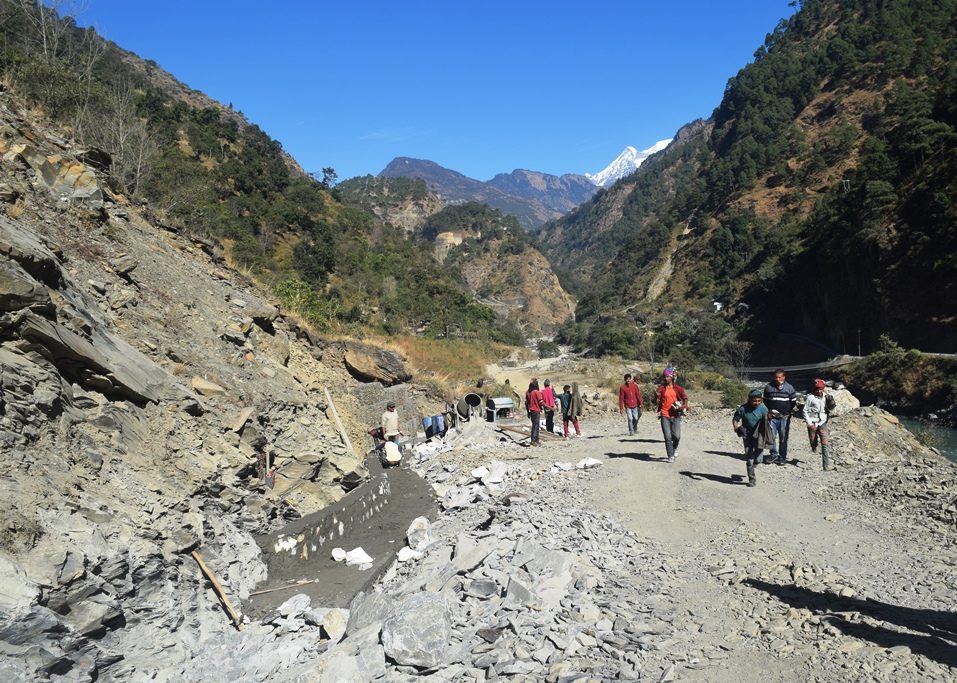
x,y
647,457
936,636
630,440
729,454
734,479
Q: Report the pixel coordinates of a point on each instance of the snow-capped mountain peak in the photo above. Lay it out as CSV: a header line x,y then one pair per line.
x,y
625,164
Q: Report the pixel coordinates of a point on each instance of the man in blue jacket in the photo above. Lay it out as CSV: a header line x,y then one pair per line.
x,y
779,397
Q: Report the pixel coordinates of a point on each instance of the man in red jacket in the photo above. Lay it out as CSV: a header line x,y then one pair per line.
x,y
534,402
672,403
629,401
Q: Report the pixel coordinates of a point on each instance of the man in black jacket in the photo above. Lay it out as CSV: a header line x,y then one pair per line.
x,y
779,397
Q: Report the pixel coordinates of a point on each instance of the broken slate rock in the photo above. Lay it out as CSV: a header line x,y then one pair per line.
x,y
367,609
419,632
419,534
207,388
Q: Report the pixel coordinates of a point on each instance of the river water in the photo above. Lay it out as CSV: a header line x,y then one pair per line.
x,y
943,439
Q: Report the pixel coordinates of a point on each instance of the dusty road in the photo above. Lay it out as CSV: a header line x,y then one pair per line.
x,y
782,581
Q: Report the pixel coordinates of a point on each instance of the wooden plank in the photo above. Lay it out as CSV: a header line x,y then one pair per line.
x,y
342,430
282,588
219,590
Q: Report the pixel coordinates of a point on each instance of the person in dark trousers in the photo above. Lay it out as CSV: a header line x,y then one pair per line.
x,y
533,400
750,422
630,402
779,397
671,402
817,409
571,402
548,405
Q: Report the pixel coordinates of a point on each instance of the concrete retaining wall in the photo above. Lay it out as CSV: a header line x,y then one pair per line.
x,y
318,533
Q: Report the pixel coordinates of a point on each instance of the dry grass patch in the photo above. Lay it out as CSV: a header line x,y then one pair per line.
x,y
452,360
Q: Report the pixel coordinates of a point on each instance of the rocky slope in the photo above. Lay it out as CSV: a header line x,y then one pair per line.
x,y
522,287
140,382
558,193
581,243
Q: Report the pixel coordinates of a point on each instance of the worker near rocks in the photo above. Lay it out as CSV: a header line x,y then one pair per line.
x,y
390,423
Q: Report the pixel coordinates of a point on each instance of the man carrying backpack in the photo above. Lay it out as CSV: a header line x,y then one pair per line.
x,y
780,397
817,409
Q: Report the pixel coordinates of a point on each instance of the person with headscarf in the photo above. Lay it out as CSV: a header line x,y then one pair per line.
x,y
817,410
671,402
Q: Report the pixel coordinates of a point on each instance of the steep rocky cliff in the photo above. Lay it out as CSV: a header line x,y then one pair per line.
x,y
143,384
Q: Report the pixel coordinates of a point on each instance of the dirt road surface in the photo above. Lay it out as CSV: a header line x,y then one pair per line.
x,y
781,581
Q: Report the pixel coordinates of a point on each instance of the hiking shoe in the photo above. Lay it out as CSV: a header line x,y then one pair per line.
x,y
752,483
671,459
781,461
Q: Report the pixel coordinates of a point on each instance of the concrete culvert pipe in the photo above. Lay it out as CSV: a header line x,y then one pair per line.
x,y
466,404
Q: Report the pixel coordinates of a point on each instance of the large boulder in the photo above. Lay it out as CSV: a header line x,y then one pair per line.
x,y
373,364
419,632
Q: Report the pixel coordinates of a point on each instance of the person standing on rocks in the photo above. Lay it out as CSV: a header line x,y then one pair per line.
x,y
390,423
750,422
548,404
571,402
817,408
533,401
630,403
779,397
671,403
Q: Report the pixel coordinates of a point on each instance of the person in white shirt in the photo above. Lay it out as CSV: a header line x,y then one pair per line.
x,y
817,408
390,423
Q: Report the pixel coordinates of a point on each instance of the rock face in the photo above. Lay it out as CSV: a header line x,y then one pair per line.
x,y
374,364
117,465
419,632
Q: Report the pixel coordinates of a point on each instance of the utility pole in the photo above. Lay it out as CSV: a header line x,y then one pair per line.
x,y
858,341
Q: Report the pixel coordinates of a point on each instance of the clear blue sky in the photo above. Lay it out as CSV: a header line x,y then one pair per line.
x,y
481,87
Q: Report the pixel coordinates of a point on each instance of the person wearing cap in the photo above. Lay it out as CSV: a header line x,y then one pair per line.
x,y
817,408
630,402
671,403
390,423
750,422
780,398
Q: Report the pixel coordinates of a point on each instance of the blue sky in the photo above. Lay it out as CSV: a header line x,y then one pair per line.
x,y
479,87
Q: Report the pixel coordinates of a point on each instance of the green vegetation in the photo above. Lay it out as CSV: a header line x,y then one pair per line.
x,y
547,349
904,377
824,196
207,170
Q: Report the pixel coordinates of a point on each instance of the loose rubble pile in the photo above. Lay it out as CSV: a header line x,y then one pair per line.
x,y
538,591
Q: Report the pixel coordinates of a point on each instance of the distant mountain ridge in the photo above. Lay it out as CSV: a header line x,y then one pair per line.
x,y
625,164
532,197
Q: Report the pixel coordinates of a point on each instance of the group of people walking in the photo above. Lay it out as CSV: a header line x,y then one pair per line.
x,y
762,422
545,400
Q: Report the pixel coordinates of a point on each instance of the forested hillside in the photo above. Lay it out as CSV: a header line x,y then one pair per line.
x,y
824,198
204,169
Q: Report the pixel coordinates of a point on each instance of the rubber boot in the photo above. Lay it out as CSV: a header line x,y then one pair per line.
x,y
826,458
752,479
